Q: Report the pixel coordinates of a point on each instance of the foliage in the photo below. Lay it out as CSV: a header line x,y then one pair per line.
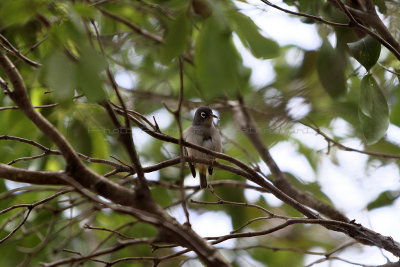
x,y
76,54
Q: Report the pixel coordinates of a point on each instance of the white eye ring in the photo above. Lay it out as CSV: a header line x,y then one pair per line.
x,y
203,115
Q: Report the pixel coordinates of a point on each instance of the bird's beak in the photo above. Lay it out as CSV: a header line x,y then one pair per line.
x,y
215,116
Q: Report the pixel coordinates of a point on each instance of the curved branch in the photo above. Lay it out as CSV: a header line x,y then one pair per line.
x,y
80,175
331,23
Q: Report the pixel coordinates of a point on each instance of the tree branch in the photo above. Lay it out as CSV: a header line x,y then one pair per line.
x,y
132,26
247,124
388,43
300,14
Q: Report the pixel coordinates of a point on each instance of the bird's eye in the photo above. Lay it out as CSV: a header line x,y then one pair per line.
x,y
203,115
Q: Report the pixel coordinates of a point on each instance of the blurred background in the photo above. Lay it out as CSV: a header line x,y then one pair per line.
x,y
307,85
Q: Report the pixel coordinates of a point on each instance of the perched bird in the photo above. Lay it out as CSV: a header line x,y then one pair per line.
x,y
202,132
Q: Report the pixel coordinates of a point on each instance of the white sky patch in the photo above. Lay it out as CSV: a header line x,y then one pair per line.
x,y
308,259
125,79
163,118
169,150
278,26
380,178
191,181
13,185
298,108
252,196
352,162
213,223
140,138
192,263
216,121
332,39
288,159
294,56
206,224
151,176
341,128
272,97
262,70
380,222
351,185
393,134
309,138
283,28
340,187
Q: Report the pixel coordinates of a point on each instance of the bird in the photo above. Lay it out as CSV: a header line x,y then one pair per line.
x,y
202,132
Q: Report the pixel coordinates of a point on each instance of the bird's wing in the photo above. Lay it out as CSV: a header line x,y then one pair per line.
x,y
216,139
185,150
216,145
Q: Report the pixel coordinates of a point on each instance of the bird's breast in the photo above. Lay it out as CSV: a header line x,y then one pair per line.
x,y
206,138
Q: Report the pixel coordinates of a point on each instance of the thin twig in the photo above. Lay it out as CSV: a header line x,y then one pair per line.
x,y
48,151
16,107
11,49
19,226
44,154
120,245
346,148
86,226
132,26
125,134
305,15
177,114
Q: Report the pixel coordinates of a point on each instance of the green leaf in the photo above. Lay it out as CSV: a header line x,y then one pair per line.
x,y
84,10
19,12
384,199
250,36
373,110
90,65
176,38
161,196
366,51
331,67
270,257
60,75
310,7
395,110
217,60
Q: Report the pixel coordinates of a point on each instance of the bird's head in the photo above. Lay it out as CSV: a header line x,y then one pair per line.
x,y
204,116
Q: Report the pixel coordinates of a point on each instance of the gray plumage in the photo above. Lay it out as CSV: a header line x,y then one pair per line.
x,y
202,132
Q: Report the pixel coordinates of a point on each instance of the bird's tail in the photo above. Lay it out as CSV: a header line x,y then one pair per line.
x,y
203,178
